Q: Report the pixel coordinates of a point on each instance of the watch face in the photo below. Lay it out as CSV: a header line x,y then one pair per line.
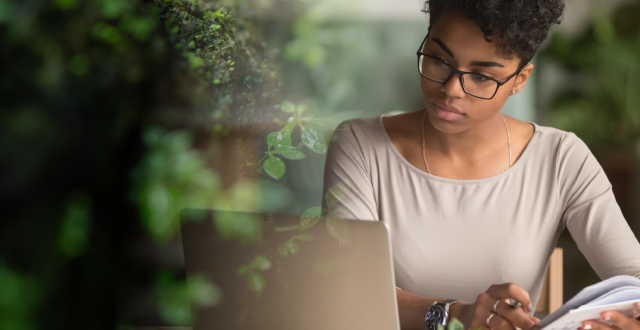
x,y
434,316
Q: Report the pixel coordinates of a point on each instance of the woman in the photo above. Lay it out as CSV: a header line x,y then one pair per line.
x,y
475,201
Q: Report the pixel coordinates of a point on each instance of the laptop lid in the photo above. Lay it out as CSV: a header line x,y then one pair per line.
x,y
261,271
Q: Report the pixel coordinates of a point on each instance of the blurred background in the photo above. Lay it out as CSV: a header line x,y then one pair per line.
x,y
116,114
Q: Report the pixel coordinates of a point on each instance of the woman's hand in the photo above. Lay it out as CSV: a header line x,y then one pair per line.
x,y
474,316
619,321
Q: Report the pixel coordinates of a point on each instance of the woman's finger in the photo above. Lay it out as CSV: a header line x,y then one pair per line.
x,y
512,290
517,317
497,322
596,325
620,320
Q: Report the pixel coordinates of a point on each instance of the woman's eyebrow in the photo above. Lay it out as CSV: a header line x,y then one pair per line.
x,y
474,63
487,64
443,46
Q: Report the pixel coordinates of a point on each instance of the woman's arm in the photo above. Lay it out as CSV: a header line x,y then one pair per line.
x,y
592,214
412,309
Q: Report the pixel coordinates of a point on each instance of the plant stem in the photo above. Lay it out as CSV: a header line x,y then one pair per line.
x,y
290,228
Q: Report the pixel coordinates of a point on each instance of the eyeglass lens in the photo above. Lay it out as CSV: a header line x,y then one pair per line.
x,y
474,84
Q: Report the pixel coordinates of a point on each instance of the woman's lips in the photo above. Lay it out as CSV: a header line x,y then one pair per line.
x,y
445,114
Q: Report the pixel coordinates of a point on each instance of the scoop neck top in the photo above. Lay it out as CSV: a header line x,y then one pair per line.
x,y
455,238
405,162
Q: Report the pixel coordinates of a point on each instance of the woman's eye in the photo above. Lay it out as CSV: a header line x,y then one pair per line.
x,y
479,78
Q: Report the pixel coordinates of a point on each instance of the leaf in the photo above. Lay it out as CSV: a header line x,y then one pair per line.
x,y
338,228
455,324
310,217
301,108
282,249
313,140
274,166
288,107
261,263
289,152
440,327
256,282
302,237
272,138
327,122
336,193
242,270
292,246
203,292
287,129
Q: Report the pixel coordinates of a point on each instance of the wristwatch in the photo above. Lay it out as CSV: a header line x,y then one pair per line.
x,y
438,314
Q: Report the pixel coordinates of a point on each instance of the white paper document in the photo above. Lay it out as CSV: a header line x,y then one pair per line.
x,y
616,293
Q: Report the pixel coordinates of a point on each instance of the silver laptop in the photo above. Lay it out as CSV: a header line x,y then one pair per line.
x,y
261,271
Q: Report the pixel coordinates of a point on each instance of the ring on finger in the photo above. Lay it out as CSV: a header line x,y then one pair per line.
x,y
495,306
489,318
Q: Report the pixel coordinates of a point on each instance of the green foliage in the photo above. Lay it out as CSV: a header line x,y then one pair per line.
x,y
172,176
279,143
290,246
311,216
20,294
74,228
602,104
255,280
203,292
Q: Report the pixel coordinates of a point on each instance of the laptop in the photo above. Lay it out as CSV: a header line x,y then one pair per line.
x,y
265,271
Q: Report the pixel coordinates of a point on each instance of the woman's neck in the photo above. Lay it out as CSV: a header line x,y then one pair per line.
x,y
470,145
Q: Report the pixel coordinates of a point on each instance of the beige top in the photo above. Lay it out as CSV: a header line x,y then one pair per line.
x,y
455,238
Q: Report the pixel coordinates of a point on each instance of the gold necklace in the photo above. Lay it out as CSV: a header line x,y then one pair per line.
x,y
423,143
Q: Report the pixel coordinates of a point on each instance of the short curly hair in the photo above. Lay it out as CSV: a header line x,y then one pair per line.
x,y
520,26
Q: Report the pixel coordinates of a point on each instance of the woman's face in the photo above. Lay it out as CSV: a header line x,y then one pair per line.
x,y
460,43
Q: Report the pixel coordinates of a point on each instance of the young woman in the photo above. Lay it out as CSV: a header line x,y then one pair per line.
x,y
475,201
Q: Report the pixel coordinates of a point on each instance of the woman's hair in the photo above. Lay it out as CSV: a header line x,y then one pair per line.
x,y
520,26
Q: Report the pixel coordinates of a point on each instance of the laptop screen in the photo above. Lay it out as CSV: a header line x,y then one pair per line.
x,y
262,271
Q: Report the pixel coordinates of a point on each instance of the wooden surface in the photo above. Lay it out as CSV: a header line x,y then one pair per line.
x,y
551,295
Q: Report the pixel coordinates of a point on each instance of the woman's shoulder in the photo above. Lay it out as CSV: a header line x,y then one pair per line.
x,y
558,139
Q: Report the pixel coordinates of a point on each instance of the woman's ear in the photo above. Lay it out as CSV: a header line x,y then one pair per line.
x,y
521,78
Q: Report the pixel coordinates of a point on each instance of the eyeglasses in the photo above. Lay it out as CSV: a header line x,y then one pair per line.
x,y
474,84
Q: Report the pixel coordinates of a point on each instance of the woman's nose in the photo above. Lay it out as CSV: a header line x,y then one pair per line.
x,y
452,86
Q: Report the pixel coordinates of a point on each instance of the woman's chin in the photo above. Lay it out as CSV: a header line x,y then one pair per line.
x,y
445,125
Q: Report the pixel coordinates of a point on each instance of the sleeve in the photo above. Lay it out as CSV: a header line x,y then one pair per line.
x,y
348,190
592,214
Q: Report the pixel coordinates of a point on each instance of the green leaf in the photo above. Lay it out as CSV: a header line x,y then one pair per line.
x,y
338,228
242,270
203,292
440,327
289,152
301,108
302,237
455,324
292,246
287,129
288,107
283,250
274,166
313,140
261,263
272,138
256,282
310,217
335,194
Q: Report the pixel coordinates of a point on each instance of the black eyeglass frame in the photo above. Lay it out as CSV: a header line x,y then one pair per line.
x,y
462,73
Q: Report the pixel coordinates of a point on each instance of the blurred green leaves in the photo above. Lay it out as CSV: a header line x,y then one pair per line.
x,y
172,176
203,292
601,104
75,225
19,296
